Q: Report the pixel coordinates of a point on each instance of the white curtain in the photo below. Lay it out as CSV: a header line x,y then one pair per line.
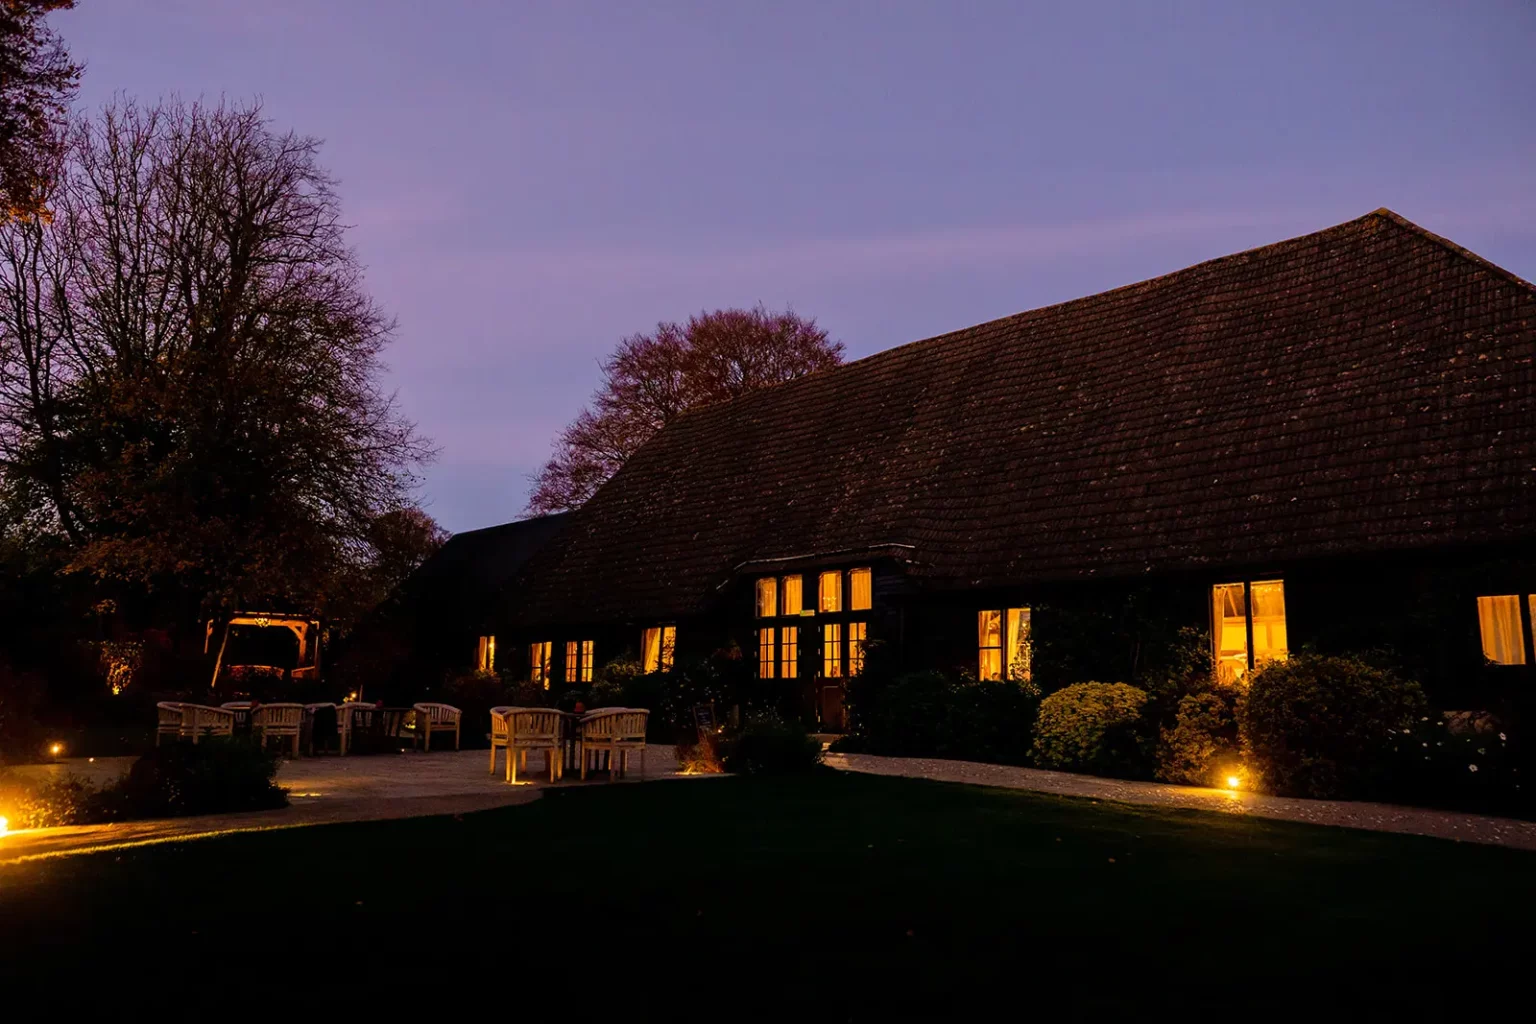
x,y
650,650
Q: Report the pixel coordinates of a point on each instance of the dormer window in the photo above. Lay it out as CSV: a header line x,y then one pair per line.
x,y
830,592
767,598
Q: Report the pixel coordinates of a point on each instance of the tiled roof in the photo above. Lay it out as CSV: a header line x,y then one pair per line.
x,y
1364,388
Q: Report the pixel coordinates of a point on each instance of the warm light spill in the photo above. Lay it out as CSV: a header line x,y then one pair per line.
x,y
1233,782
5,826
56,749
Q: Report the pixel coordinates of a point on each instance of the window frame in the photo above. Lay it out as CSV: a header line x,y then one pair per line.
x,y
1525,601
1247,583
485,653
666,648
578,669
541,669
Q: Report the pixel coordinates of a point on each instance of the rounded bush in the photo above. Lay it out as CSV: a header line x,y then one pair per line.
x,y
1201,747
1326,727
770,745
1093,727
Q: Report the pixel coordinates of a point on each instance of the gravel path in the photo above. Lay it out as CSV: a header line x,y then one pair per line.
x,y
321,791
1470,828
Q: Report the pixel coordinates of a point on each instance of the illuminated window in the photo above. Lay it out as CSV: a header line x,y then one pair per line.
x,y
1498,619
789,651
832,650
1247,627
765,654
485,655
578,661
859,590
767,598
539,657
657,646
989,644
792,599
857,632
831,592
1020,644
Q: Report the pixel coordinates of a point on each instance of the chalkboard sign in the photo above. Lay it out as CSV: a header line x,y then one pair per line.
x,y
704,718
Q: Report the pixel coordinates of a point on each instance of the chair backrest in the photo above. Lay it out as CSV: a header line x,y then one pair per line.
x,y
623,724
344,712
437,714
238,705
202,716
499,723
278,715
169,712
533,723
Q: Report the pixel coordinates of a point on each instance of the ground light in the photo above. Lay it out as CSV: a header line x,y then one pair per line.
x,y
5,826
1233,782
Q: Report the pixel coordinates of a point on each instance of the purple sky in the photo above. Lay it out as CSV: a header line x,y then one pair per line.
x,y
532,181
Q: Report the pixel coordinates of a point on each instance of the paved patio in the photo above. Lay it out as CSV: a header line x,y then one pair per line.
x,y
322,790
1470,828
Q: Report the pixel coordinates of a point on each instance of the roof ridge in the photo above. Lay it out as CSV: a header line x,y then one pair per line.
x,y
1398,219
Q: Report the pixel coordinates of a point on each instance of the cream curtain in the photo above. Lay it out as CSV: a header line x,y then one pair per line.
x,y
860,585
767,598
831,590
650,650
1018,644
989,643
1503,636
792,596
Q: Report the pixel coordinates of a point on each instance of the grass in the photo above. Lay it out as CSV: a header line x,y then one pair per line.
x,y
846,893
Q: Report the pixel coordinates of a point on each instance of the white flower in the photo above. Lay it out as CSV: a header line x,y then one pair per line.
x,y
1502,738
1471,767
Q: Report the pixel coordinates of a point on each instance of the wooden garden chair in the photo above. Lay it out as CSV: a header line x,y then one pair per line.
x,y
499,733
534,729
199,720
617,732
284,721
167,719
431,718
346,715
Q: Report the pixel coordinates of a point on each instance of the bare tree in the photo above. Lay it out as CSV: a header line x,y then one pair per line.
x,y
37,80
189,366
651,378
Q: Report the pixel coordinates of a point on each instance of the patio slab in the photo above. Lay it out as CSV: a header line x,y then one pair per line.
x,y
321,790
1470,828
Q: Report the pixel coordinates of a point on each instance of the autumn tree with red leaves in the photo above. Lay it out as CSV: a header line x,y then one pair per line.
x,y
652,378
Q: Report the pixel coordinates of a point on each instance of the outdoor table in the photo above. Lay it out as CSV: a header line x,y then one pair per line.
x,y
375,729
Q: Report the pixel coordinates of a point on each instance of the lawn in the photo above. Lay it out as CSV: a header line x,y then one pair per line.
x,y
848,891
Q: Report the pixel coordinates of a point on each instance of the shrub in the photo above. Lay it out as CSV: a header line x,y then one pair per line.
x,y
1095,728
769,745
934,714
1202,745
1483,769
474,694
61,801
215,776
1326,726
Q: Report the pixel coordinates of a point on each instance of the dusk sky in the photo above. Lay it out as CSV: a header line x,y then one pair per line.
x,y
532,181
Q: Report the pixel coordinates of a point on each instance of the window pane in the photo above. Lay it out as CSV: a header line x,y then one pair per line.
x,y
765,654
857,631
789,652
539,656
989,629
792,599
668,647
1020,645
860,586
831,592
1229,627
650,650
767,598
1269,640
572,661
1503,636
832,650
485,654
586,661
989,643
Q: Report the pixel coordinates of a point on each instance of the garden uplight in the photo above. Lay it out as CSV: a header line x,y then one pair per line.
x,y
1233,782
5,826
56,749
